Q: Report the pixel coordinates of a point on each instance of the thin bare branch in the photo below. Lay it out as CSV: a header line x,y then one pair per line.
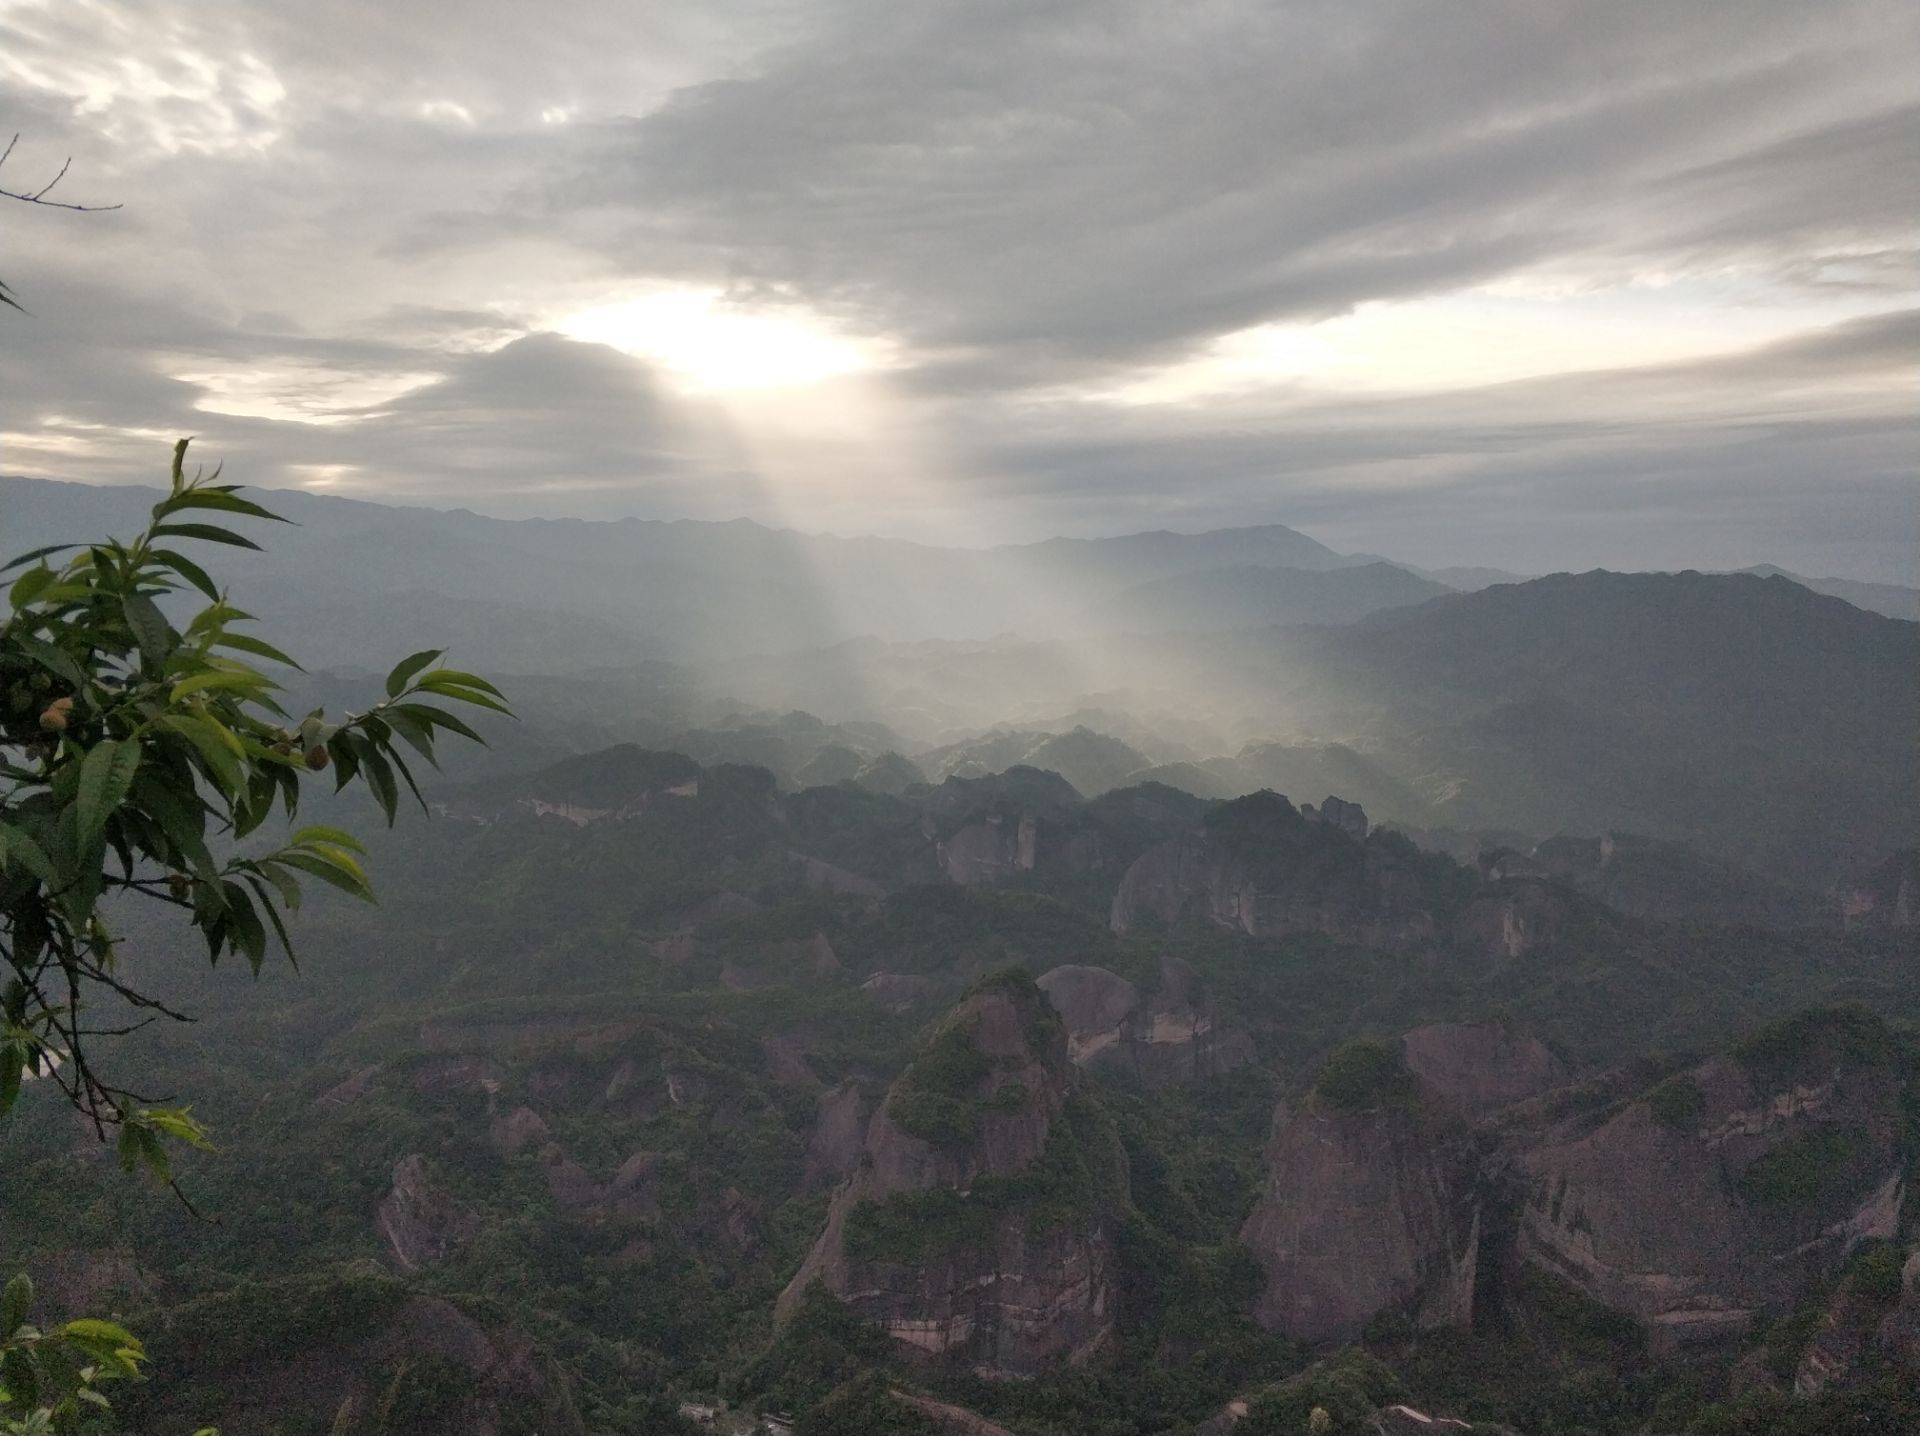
x,y
39,196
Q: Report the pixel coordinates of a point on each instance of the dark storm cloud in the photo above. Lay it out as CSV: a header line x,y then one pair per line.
x,y
1101,182
1030,205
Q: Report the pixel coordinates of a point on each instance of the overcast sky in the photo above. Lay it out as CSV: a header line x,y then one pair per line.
x,y
1528,284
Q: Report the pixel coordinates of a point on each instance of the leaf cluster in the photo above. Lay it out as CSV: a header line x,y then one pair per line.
x,y
137,755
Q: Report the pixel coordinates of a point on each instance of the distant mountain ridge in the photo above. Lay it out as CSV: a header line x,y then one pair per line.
x,y
576,594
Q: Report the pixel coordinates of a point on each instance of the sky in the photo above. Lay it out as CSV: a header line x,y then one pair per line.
x,y
1525,284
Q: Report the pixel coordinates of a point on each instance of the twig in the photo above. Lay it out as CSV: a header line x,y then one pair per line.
x,y
39,196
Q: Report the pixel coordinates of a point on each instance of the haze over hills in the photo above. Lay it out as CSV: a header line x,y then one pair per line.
x,y
1745,715
503,590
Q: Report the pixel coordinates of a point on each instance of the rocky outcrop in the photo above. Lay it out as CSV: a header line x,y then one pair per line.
x,y
1875,1312
1349,818
899,991
1478,1069
1405,1421
1887,899
1514,917
1172,1036
519,1129
1259,866
422,1224
839,1138
1728,1186
1369,1206
931,1241
991,850
349,1091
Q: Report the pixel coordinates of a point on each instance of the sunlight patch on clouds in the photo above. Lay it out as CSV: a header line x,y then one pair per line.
x,y
299,393
144,90
709,343
1492,335
324,477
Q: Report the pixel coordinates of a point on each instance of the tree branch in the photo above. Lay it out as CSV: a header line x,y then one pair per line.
x,y
39,196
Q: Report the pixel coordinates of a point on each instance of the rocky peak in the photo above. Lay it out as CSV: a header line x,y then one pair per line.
x,y
1259,865
1724,1188
1478,1069
976,1225
1349,818
1171,1035
421,1221
1370,1204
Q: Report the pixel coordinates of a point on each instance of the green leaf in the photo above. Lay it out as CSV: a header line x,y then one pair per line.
x,y
249,933
34,555
429,716
243,680
13,1061
206,532
16,847
106,773
23,1383
187,569
178,1123
380,778
150,627
348,880
95,1332
218,749
29,586
259,647
15,1303
404,670
219,499
55,660
333,837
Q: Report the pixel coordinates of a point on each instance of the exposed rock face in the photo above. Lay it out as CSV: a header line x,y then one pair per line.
x,y
1857,1323
422,1224
631,1195
991,851
519,1129
899,991
1478,1069
1515,917
1888,899
1015,1294
345,1094
1722,1190
1900,1332
1364,1211
1259,866
1405,1421
1173,1036
1349,818
839,1137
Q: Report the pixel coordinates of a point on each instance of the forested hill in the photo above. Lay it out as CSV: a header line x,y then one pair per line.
x,y
983,1074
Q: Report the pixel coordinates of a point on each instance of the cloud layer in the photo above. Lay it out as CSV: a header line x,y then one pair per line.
x,y
1536,285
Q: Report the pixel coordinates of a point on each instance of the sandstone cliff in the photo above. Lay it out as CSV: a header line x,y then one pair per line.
x,y
978,1226
1728,1186
1172,1035
1261,866
1370,1205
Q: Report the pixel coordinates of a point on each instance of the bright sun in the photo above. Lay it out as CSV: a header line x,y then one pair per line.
x,y
712,345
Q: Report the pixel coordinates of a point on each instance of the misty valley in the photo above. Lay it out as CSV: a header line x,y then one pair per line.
x,y
1179,983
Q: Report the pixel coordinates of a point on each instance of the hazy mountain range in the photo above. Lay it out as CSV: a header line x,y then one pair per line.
x,y
1749,715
